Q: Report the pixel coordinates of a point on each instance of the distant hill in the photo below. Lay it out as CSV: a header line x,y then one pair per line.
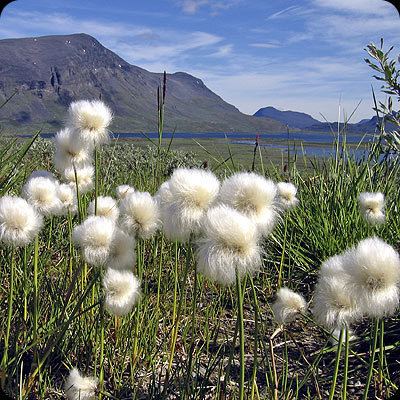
x,y
294,119
51,71
299,120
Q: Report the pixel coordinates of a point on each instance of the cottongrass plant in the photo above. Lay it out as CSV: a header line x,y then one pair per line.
x,y
252,195
106,207
227,251
19,221
20,224
286,195
95,237
122,290
288,306
372,207
140,215
374,270
70,151
41,192
80,178
67,198
89,121
122,253
184,201
229,246
78,387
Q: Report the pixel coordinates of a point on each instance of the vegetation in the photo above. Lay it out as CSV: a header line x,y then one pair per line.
x,y
190,337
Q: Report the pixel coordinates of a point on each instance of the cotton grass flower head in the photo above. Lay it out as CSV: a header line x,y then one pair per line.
x,y
41,192
106,207
140,214
124,190
374,270
89,121
229,244
67,197
286,195
84,178
122,290
95,236
372,207
334,304
78,387
189,194
252,195
70,151
333,266
164,195
19,221
122,253
288,305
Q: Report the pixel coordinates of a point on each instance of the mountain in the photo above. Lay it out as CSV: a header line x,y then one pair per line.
x,y
299,120
51,71
293,119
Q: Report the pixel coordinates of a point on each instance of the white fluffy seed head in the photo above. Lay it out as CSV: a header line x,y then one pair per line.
x,y
41,192
19,221
229,244
122,254
374,270
84,175
106,207
122,290
286,195
334,304
183,203
333,266
372,207
140,214
78,387
67,197
89,121
70,150
124,190
288,305
252,195
95,236
163,195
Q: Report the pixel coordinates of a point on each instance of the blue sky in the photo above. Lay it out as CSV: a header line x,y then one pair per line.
x,y
301,55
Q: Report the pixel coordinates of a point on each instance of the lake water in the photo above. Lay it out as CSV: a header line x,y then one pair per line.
x,y
309,143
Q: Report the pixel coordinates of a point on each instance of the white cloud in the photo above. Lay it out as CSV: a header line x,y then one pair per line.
x,y
375,7
269,45
215,6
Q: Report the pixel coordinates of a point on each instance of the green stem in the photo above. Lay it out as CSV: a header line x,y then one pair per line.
x,y
255,365
10,313
193,329
241,334
372,359
35,295
381,352
101,377
346,361
337,362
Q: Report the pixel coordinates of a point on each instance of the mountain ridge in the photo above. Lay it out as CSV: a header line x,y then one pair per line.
x,y
51,71
300,120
